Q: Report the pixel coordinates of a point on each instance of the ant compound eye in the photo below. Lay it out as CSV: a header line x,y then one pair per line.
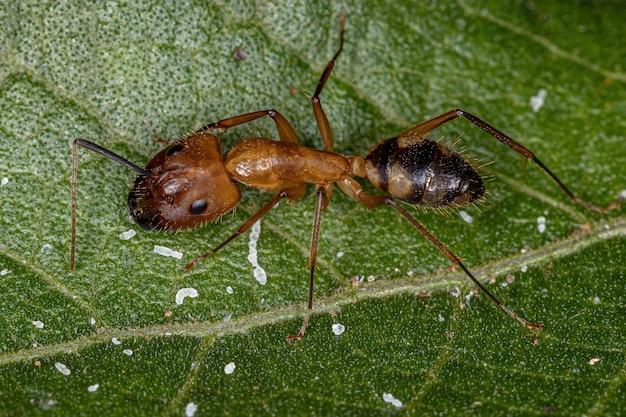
x,y
174,150
198,207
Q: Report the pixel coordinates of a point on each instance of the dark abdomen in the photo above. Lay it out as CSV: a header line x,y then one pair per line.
x,y
422,172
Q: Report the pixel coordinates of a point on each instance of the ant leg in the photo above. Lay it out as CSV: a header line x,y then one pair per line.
x,y
322,202
285,130
434,123
529,155
320,117
288,193
439,245
104,152
352,188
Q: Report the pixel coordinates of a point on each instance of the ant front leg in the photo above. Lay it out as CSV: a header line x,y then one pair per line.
x,y
320,117
291,193
429,125
285,130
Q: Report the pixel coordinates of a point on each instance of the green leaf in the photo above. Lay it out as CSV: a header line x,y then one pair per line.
x,y
122,74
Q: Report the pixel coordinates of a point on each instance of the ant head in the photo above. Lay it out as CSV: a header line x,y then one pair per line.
x,y
188,186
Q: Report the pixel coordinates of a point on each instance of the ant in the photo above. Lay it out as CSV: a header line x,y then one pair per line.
x,y
190,182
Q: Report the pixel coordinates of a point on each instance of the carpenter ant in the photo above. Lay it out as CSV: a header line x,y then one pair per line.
x,y
190,183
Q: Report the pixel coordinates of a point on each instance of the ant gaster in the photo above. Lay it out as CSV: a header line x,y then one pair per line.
x,y
190,183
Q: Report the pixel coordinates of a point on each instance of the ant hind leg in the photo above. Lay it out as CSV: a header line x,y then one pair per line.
x,y
354,190
322,202
448,253
429,125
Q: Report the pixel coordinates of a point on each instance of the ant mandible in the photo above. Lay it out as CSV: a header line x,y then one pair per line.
x,y
190,183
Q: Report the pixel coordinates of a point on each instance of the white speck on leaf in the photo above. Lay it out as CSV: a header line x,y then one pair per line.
x,y
338,329
389,398
62,368
185,292
541,224
129,234
537,101
259,272
190,409
165,251
229,368
466,217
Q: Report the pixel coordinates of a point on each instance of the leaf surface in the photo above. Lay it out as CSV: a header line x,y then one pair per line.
x,y
121,75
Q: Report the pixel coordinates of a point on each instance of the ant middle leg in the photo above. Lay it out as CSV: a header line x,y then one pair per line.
x,y
320,116
285,130
322,203
429,125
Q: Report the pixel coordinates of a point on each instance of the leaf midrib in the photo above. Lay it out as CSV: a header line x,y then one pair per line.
x,y
427,283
